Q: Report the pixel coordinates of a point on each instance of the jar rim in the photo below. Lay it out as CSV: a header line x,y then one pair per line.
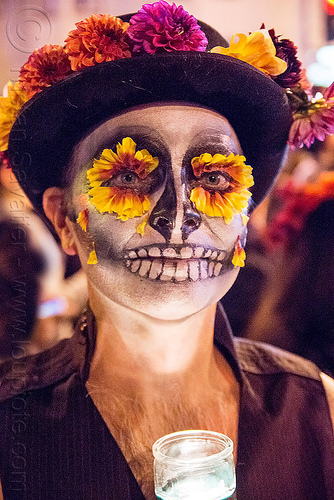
x,y
197,435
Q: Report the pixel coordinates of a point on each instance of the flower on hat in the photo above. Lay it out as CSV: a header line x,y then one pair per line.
x,y
96,39
222,185
314,119
10,106
256,49
45,66
160,27
287,51
239,256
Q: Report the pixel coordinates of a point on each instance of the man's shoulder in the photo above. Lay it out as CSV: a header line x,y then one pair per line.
x,y
264,359
36,371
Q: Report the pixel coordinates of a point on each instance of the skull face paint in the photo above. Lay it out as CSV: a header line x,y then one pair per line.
x,y
183,257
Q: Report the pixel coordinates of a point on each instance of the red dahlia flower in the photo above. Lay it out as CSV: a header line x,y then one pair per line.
x,y
286,50
98,38
160,27
44,67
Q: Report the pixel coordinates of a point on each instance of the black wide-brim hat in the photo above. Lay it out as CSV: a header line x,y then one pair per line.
x,y
52,123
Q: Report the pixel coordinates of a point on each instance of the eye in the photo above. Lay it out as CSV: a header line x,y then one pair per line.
x,y
217,180
129,178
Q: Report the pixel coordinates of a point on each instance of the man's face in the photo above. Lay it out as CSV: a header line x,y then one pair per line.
x,y
180,260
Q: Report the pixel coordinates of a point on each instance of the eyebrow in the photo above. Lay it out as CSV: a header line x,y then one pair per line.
x,y
144,137
215,141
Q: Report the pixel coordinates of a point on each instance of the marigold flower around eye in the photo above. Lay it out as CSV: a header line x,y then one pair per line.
x,y
161,27
239,256
223,203
9,109
96,39
256,49
44,67
110,163
233,164
124,202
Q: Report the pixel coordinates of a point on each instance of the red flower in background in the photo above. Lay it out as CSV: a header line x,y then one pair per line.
x,y
97,39
44,67
160,27
298,203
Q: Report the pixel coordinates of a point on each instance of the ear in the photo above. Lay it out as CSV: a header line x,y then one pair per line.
x,y
55,209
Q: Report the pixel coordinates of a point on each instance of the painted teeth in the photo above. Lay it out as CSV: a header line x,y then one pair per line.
x,y
175,264
174,270
184,252
154,252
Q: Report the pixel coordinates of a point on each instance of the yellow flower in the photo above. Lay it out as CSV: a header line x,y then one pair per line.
x,y
124,202
126,157
82,219
92,258
226,202
219,205
256,49
233,164
141,227
244,219
9,109
239,255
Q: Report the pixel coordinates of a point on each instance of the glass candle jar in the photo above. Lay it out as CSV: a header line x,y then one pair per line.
x,y
194,465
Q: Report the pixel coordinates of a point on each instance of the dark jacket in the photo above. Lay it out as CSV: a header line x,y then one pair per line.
x,y
54,445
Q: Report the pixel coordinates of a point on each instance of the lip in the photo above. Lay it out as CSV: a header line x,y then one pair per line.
x,y
176,263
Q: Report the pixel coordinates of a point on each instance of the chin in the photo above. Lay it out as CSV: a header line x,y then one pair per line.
x,y
170,301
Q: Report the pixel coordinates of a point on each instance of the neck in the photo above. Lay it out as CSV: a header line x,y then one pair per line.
x,y
145,355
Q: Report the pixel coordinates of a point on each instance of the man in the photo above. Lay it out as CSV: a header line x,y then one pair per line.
x,y
145,179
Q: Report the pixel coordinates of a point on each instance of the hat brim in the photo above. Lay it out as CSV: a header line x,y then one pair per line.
x,y
52,123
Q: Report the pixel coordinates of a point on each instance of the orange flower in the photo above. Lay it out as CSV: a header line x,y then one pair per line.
x,y
44,67
110,163
233,164
232,197
9,109
124,202
239,255
82,219
98,38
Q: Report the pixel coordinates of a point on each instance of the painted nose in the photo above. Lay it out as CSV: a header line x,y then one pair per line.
x,y
191,221
164,216
163,221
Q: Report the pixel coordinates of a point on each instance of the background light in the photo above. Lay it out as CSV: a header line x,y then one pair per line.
x,y
321,72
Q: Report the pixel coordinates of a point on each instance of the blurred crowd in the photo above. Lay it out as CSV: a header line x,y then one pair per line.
x,y
42,291
286,289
